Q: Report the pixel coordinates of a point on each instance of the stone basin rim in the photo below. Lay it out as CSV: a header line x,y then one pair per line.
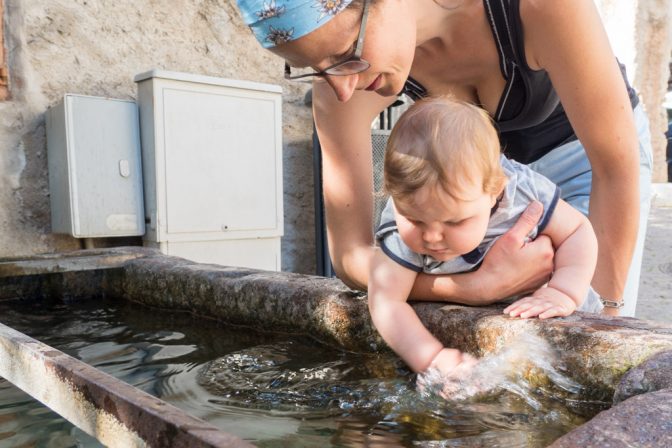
x,y
599,350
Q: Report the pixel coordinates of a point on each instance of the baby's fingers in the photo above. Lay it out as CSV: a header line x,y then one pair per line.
x,y
555,311
535,310
468,362
518,308
517,304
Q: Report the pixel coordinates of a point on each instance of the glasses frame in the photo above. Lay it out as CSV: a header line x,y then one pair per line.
x,y
355,57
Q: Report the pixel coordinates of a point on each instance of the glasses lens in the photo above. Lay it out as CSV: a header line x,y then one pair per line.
x,y
348,68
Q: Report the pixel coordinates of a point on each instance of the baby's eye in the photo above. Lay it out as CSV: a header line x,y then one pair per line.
x,y
454,223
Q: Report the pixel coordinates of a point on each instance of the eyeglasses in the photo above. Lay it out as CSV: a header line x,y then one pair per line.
x,y
353,65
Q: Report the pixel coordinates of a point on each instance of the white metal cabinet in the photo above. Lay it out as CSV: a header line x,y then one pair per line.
x,y
95,173
213,168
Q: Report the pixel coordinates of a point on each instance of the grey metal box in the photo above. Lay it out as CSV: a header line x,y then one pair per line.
x,y
212,168
95,171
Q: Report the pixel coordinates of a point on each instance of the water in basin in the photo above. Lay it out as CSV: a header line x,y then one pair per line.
x,y
277,390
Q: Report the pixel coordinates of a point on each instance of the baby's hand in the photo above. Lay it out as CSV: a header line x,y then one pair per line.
x,y
545,302
449,370
452,363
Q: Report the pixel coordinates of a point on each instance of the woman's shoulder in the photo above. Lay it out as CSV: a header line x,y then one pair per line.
x,y
535,10
550,25
540,6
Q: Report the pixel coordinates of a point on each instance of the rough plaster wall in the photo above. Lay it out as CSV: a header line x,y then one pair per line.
x,y
640,32
95,47
21,205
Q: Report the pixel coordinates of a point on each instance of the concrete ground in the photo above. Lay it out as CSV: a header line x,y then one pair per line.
x,y
655,288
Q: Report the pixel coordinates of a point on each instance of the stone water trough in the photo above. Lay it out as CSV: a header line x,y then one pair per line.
x,y
623,360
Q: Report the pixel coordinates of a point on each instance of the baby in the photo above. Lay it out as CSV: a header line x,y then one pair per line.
x,y
452,194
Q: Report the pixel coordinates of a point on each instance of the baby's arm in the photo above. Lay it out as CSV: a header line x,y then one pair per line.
x,y
395,320
575,258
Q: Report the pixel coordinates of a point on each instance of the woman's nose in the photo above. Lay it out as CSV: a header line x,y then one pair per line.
x,y
344,86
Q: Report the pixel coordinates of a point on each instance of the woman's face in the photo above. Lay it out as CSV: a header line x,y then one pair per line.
x,y
389,46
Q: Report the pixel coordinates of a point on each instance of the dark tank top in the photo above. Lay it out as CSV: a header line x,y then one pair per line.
x,y
530,118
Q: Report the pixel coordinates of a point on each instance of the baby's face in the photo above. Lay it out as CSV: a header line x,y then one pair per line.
x,y
436,224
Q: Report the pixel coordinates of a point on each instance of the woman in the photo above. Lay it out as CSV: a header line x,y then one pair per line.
x,y
543,70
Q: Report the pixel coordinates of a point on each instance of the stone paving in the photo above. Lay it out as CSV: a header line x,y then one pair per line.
x,y
655,288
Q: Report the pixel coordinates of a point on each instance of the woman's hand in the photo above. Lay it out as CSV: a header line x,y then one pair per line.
x,y
515,265
512,266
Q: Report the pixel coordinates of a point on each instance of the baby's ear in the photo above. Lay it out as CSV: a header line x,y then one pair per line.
x,y
499,190
502,184
493,200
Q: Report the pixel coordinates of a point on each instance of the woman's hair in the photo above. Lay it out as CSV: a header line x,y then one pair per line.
x,y
442,142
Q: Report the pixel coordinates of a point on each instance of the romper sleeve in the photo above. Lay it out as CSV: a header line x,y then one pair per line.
x,y
548,194
531,186
388,238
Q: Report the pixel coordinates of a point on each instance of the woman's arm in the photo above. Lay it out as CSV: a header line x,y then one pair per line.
x,y
344,129
568,40
510,267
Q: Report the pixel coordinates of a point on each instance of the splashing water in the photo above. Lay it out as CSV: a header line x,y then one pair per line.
x,y
526,356
498,405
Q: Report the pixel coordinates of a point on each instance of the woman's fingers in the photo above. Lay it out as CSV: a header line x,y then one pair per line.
x,y
526,223
514,264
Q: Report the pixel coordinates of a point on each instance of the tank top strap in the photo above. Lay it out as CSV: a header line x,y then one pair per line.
x,y
413,89
497,12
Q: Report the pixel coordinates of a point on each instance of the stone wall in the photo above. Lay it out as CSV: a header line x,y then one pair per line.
x,y
95,47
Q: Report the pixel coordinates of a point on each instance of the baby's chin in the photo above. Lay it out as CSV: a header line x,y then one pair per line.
x,y
442,256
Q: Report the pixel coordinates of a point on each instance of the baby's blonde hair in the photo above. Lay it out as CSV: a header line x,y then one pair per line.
x,y
445,142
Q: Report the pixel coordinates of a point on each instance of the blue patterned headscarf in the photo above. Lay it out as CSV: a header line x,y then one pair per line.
x,y
275,22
